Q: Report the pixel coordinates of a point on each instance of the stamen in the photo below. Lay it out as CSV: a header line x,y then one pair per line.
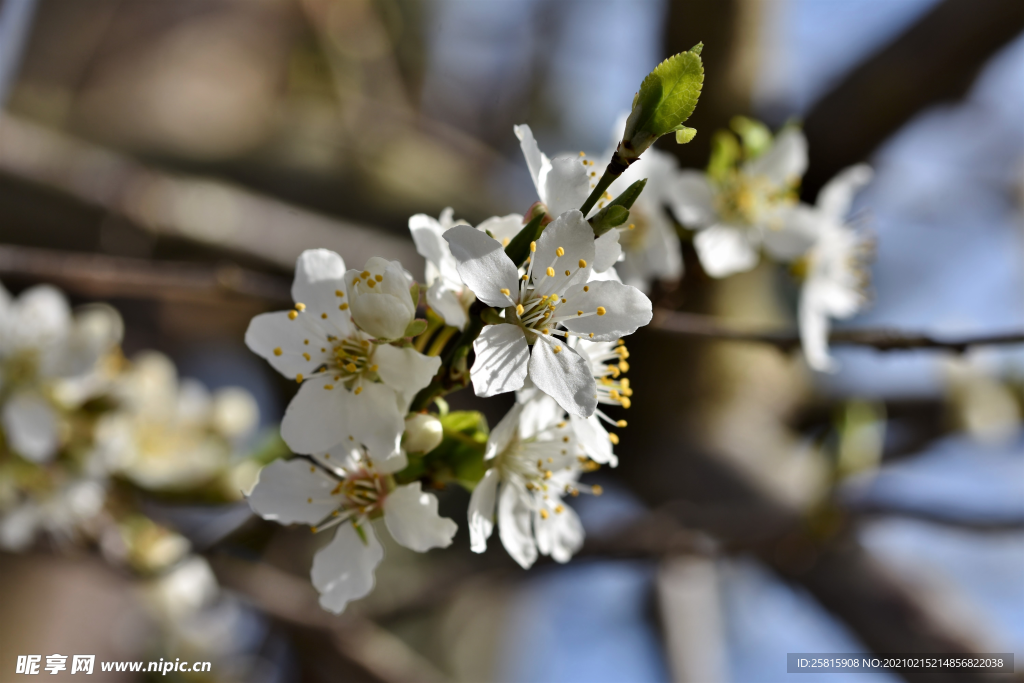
x,y
559,252
300,307
278,351
292,315
601,310
583,264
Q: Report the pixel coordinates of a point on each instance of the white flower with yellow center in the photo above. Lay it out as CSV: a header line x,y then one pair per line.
x,y
553,301
744,211
834,268
353,389
42,345
447,294
534,461
348,490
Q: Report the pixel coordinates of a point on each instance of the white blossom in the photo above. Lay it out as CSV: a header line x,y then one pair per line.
x,y
353,389
745,210
423,433
834,267
554,298
534,461
346,489
381,302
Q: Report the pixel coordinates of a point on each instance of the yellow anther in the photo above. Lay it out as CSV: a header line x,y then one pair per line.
x,y
625,383
547,474
591,335
306,342
583,154
355,280
328,387
505,241
559,509
621,423
614,395
563,300
525,277
373,368
300,307
561,425
632,226
298,378
371,284
324,316
559,252
540,464
378,278
519,309
583,263
343,307
601,310
309,500
533,247
626,402
365,274
546,330
351,367
551,271
543,513
586,288
565,439
614,438
358,391
278,351
292,315
312,529
593,174
596,489
305,355
623,366
557,348
505,291
567,273
579,312
338,292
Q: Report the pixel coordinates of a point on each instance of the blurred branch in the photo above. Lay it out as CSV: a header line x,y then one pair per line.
x,y
294,600
934,60
196,209
946,518
702,326
101,276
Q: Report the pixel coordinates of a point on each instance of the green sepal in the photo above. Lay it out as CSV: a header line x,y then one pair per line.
x,y
414,294
667,97
459,458
362,534
607,218
519,248
725,154
415,328
755,136
629,195
491,317
684,134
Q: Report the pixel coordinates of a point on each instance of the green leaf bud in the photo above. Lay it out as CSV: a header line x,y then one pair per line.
x,y
665,100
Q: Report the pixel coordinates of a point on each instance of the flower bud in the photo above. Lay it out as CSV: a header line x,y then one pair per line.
x,y
423,433
379,298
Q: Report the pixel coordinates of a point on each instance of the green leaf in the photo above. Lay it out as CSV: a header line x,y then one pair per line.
x,y
607,218
415,328
684,134
666,99
519,248
755,136
629,195
696,49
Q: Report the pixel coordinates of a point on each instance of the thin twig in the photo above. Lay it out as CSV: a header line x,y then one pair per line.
x,y
705,327
975,523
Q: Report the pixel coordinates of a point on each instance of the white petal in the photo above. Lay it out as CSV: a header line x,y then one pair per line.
x,y
725,250
30,425
502,228
539,413
270,331
445,302
814,330
343,570
573,234
427,235
593,437
692,200
626,309
835,199
514,529
405,370
560,535
319,275
396,462
564,376
411,517
607,250
786,161
483,265
501,436
792,231
385,309
535,159
481,510
501,360
294,491
96,330
663,253
564,185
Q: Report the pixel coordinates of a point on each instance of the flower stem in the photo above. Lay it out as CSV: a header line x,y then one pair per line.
x,y
441,340
616,167
443,382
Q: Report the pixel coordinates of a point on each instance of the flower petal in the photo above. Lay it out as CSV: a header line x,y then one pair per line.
x,y
319,275
814,329
785,163
411,517
791,231
481,510
593,437
270,332
30,426
560,535
626,309
692,200
726,250
343,570
502,434
502,228
427,235
501,360
564,185
445,302
294,491
536,161
835,199
483,265
564,376
405,370
607,250
570,232
514,529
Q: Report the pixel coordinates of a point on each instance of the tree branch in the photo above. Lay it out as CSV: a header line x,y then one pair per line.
x,y
702,326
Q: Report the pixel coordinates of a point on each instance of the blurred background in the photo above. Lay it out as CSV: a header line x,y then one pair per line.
x,y
173,158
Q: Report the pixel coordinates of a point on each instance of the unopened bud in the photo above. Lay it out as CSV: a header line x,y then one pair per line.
x,y
423,433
